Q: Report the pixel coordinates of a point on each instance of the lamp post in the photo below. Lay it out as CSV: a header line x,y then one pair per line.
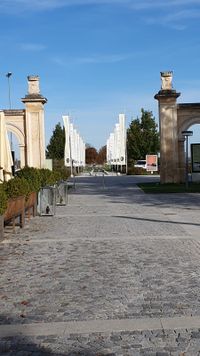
x,y
186,134
8,75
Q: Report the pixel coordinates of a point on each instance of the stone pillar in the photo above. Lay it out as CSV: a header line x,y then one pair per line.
x,y
169,153
181,154
34,120
22,155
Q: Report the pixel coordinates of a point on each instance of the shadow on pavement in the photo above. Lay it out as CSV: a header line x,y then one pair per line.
x,y
157,221
25,347
20,345
124,190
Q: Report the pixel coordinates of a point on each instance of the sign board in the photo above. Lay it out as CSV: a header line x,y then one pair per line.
x,y
152,163
49,164
195,156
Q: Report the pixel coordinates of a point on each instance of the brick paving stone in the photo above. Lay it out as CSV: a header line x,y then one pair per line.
x,y
112,253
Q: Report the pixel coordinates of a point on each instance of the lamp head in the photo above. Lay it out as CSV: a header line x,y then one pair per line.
x,y
187,133
8,75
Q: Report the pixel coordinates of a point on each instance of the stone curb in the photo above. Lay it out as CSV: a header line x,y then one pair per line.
x,y
99,326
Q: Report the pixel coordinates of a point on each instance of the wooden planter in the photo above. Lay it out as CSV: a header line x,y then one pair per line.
x,y
15,209
31,204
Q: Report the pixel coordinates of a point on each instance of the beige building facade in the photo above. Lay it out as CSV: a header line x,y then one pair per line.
x,y
28,126
173,119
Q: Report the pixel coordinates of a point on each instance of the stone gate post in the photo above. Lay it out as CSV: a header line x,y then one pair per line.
x,y
169,150
181,153
34,122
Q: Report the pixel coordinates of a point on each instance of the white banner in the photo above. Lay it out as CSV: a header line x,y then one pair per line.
x,y
116,144
122,124
74,146
67,153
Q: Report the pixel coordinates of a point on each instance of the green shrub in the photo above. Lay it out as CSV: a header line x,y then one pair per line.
x,y
28,180
62,173
38,178
108,167
47,177
17,187
136,171
33,176
3,200
58,166
57,176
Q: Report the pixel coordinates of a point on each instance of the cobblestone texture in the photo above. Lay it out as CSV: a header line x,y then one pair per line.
x,y
112,253
157,343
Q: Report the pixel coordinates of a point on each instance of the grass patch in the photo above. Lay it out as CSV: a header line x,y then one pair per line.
x,y
169,188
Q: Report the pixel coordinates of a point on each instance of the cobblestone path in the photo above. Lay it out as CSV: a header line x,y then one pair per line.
x,y
116,272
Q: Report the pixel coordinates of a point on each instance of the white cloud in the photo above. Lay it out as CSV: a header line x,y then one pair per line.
x,y
182,15
41,5
93,59
32,47
176,19
99,58
153,4
174,14
113,58
59,61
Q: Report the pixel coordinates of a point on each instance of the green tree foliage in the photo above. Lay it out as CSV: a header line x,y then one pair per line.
x,y
56,146
142,137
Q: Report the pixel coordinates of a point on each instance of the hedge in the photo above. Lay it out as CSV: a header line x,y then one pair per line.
x,y
27,180
3,200
17,187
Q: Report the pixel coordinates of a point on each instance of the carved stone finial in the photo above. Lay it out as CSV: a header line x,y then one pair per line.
x,y
33,85
166,79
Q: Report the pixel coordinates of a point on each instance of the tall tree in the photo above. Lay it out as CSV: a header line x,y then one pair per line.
x,y
91,155
142,137
56,146
101,157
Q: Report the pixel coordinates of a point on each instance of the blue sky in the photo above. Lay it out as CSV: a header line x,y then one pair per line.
x,y
97,58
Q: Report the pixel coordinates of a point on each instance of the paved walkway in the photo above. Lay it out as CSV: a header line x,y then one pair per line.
x,y
116,272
